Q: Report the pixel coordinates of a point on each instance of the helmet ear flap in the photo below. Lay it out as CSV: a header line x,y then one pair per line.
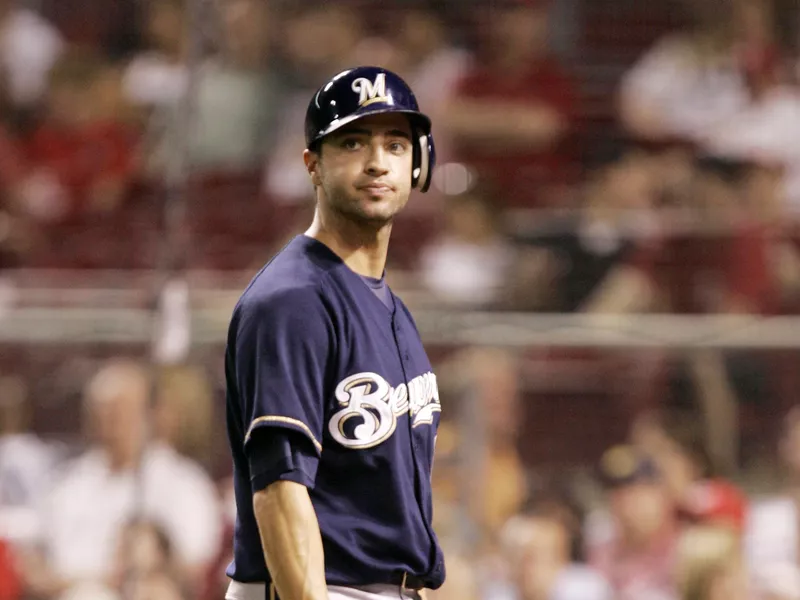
x,y
423,160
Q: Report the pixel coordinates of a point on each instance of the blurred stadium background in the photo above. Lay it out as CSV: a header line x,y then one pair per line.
x,y
606,274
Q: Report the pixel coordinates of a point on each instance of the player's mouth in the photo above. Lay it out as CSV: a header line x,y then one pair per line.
x,y
376,189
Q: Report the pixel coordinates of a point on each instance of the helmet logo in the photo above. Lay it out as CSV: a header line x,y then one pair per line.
x,y
370,92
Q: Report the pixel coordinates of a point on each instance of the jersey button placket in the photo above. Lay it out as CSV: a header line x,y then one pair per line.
x,y
405,357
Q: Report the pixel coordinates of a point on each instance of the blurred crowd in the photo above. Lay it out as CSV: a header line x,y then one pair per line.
x,y
555,495
595,156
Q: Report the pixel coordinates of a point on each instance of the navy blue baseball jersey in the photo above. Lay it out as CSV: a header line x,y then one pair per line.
x,y
315,353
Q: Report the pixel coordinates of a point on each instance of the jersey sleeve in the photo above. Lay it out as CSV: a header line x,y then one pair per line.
x,y
283,349
284,455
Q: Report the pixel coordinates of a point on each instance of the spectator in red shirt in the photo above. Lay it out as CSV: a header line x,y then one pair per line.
x,y
675,441
512,113
9,581
81,158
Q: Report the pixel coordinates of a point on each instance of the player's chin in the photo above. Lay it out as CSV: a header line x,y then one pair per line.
x,y
379,210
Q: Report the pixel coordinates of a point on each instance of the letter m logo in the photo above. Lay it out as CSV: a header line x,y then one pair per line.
x,y
370,92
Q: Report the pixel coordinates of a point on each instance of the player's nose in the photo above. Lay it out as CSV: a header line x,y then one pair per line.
x,y
377,163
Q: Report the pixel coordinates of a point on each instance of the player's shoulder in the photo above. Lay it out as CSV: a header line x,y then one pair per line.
x,y
295,276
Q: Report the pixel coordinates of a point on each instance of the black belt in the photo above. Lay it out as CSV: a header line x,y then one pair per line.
x,y
407,581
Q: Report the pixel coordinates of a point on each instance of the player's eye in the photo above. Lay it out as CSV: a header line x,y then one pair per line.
x,y
351,144
398,147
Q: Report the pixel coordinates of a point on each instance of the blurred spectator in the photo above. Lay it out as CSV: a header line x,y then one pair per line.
x,y
721,86
81,158
688,81
718,257
184,411
317,41
595,260
90,590
10,587
237,99
216,581
423,53
143,548
780,582
27,465
539,550
638,558
717,260
146,564
773,526
157,76
676,443
513,112
486,383
118,479
764,138
155,587
468,263
29,46
16,234
461,582
427,59
110,27
709,565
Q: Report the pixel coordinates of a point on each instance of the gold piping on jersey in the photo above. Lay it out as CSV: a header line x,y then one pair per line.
x,y
289,421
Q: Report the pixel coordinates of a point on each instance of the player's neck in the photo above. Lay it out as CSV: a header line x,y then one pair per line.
x,y
362,248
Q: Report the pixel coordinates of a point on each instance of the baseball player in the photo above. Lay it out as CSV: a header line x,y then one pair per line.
x,y
332,405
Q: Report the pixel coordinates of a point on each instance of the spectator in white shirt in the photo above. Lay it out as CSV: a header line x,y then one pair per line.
x,y
157,76
686,83
120,478
29,46
27,465
468,264
236,102
772,535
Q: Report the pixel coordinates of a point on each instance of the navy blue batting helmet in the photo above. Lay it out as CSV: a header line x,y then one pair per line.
x,y
362,91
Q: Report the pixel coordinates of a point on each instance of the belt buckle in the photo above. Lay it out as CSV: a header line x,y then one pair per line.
x,y
404,583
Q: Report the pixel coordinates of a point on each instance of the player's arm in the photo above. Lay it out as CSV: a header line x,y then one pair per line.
x,y
291,540
283,353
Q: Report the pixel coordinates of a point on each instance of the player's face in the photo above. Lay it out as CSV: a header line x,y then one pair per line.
x,y
364,170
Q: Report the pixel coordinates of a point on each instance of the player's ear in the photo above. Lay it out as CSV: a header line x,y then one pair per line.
x,y
311,159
